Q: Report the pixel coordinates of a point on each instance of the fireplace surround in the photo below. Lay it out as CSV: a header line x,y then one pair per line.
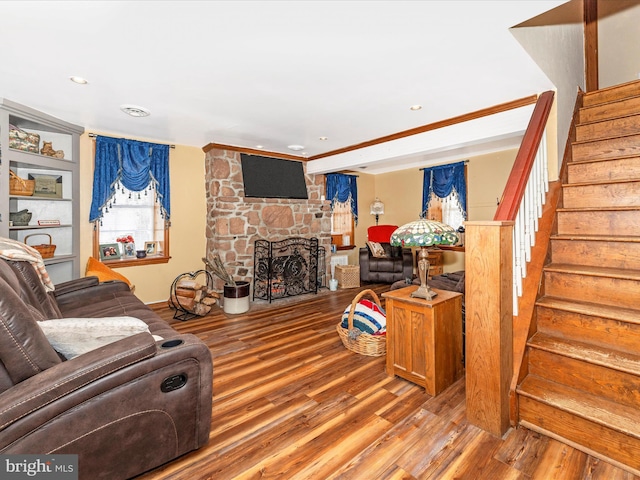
x,y
236,222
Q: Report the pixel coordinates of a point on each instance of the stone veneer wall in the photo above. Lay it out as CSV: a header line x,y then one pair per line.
x,y
234,222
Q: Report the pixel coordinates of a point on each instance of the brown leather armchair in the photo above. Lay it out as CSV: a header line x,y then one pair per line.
x,y
397,264
123,408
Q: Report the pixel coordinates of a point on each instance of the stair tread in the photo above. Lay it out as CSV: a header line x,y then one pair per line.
x,y
576,143
624,314
596,160
577,402
595,354
599,209
594,271
587,123
600,182
597,238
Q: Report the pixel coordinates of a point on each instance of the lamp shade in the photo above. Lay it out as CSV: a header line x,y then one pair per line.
x,y
377,207
424,233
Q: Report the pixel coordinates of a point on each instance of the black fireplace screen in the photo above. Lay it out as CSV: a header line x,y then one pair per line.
x,y
287,268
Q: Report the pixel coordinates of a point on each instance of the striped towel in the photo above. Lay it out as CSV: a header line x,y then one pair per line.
x,y
18,251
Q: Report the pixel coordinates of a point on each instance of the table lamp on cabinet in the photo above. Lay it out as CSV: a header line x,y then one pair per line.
x,y
424,233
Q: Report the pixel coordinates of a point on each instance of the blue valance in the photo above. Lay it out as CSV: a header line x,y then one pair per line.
x,y
135,165
342,187
442,180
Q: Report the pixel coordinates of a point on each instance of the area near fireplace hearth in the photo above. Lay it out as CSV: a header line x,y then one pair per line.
x,y
235,222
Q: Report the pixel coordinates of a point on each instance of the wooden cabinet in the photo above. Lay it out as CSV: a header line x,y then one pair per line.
x,y
57,185
436,262
424,338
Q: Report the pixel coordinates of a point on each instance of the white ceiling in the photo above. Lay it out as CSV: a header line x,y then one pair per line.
x,y
276,73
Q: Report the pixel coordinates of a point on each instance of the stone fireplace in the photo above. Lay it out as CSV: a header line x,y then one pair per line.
x,y
234,222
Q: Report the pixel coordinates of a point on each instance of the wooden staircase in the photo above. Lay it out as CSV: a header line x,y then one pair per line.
x,y
582,365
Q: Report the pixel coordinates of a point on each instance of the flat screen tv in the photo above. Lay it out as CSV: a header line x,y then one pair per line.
x,y
266,177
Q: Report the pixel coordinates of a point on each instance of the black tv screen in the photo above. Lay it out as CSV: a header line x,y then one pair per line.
x,y
266,177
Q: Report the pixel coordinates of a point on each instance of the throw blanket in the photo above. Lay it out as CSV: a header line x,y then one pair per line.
x,y
15,250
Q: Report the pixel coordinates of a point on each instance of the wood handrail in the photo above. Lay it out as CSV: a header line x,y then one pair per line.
x,y
523,323
517,182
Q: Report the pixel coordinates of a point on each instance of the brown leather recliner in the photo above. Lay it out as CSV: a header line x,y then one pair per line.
x,y
397,264
123,408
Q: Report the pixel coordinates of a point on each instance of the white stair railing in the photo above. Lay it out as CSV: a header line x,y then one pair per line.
x,y
526,222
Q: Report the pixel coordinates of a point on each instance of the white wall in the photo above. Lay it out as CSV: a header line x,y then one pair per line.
x,y
618,41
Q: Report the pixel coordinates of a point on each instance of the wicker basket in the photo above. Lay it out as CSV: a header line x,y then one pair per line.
x,y
19,186
46,251
362,342
348,276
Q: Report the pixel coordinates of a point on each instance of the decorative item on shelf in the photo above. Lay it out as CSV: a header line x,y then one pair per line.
x,y
423,233
45,250
128,245
109,251
20,186
141,253
48,150
377,209
460,236
21,140
21,218
49,223
49,186
150,248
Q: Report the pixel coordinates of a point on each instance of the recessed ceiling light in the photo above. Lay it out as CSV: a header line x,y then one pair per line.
x,y
324,138
295,148
259,146
135,111
78,80
415,107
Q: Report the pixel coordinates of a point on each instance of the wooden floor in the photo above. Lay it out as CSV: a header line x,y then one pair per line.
x,y
290,402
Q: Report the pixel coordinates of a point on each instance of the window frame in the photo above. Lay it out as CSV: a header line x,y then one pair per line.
x,y
132,261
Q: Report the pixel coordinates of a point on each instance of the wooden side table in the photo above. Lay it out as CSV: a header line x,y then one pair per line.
x,y
424,338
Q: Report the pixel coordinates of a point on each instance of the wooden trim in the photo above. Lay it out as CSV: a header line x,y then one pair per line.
x,y
524,323
485,112
252,151
133,262
590,18
517,182
489,323
452,248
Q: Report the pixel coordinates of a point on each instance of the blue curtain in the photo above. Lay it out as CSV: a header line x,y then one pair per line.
x,y
133,164
442,181
342,187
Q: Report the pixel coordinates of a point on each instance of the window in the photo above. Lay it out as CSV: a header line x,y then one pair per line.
x,y
444,194
342,224
342,190
131,199
137,214
446,210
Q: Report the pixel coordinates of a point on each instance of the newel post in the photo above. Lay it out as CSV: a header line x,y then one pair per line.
x,y
489,323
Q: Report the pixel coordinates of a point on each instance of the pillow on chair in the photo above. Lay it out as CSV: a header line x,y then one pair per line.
x,y
98,269
376,249
74,336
